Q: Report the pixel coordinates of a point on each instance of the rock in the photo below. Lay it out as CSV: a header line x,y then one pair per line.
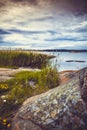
x,y
62,108
83,84
24,125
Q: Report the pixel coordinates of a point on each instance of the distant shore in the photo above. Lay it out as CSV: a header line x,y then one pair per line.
x,y
59,50
48,50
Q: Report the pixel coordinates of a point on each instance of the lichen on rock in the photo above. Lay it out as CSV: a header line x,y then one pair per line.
x,y
62,108
83,84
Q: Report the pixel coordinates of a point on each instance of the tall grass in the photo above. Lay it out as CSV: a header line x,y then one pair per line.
x,y
12,58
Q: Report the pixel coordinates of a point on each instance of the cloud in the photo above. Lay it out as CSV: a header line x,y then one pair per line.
x,y
25,32
29,1
1,4
24,25
3,32
77,6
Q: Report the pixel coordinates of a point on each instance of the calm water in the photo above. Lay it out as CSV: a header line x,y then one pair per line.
x,y
62,57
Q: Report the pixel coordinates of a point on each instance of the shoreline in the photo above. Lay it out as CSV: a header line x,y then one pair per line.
x,y
8,73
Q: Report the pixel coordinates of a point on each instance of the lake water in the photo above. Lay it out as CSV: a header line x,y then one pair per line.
x,y
62,57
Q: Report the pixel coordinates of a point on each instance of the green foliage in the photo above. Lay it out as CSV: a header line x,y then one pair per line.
x,y
26,84
23,59
47,77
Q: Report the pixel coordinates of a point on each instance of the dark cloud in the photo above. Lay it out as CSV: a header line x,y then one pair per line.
x,y
28,1
82,30
26,32
52,32
61,39
66,39
3,32
77,6
71,5
2,4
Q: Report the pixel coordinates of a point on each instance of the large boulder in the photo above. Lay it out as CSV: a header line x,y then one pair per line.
x,y
61,108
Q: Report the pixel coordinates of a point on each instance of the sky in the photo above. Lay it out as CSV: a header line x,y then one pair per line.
x,y
43,24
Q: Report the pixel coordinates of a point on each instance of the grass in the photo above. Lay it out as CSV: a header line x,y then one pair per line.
x,y
14,59
24,85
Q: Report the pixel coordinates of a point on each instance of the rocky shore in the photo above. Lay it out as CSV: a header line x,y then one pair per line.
x,y
62,108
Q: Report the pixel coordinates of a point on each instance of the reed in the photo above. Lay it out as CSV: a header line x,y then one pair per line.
x,y
14,58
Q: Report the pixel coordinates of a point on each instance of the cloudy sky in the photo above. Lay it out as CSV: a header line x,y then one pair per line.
x,y
43,24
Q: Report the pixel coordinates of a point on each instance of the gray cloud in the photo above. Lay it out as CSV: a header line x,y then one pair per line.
x,y
2,4
82,30
43,25
25,32
3,32
77,6
32,2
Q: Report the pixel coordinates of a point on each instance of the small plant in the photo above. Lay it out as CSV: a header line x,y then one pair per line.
x,y
5,124
3,87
